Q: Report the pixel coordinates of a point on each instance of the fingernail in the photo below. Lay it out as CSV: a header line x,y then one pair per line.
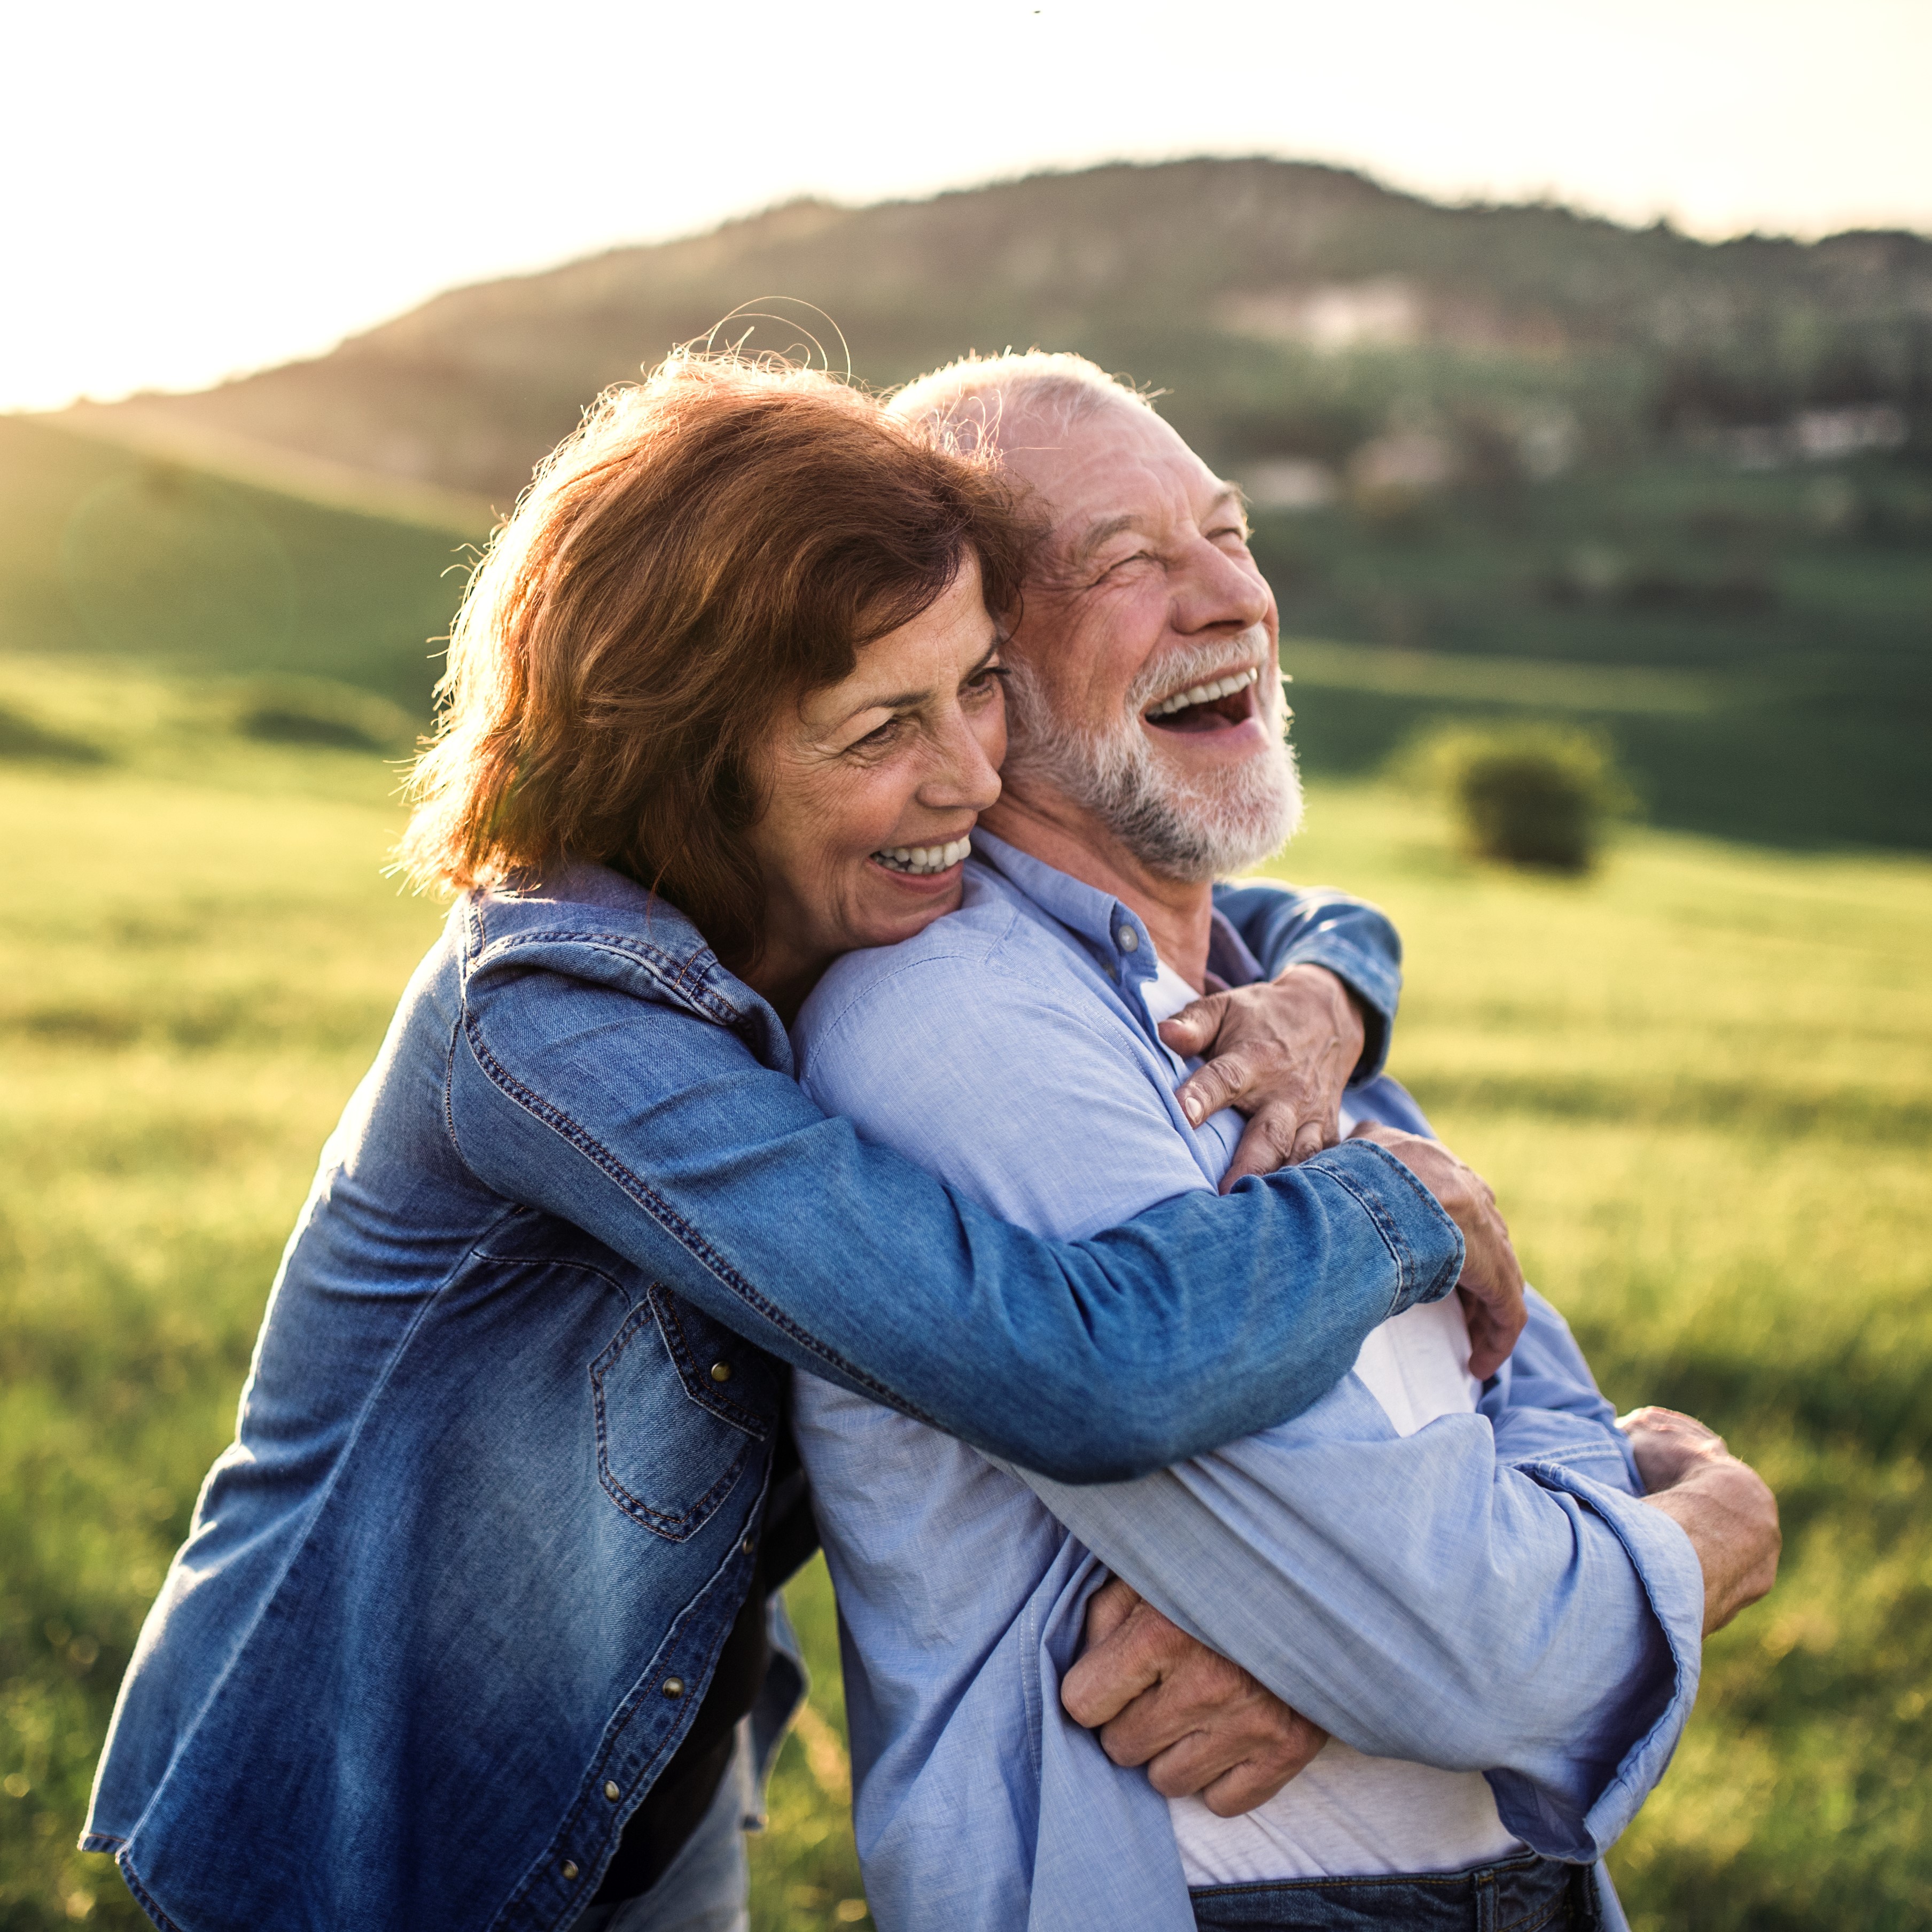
x,y
1191,1108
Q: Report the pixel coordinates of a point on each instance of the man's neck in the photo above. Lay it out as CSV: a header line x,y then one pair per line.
x,y
1051,829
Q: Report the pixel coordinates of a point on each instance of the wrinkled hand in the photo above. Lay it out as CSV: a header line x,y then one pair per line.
x,y
1491,1285
1280,1053
1198,1723
1721,1504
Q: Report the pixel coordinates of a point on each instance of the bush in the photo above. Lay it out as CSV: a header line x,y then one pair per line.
x,y
23,737
312,711
1537,795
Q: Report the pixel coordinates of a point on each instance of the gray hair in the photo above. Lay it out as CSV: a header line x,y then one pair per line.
x,y
962,406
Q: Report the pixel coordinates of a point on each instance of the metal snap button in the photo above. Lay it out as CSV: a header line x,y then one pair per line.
x,y
611,1790
720,1372
569,1868
674,1687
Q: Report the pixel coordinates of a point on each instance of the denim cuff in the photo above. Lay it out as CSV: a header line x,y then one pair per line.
x,y
1425,1244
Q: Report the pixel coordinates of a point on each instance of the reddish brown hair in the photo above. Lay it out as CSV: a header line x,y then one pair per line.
x,y
711,545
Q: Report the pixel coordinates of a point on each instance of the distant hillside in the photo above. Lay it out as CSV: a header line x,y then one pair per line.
x,y
110,555
1506,459
1291,310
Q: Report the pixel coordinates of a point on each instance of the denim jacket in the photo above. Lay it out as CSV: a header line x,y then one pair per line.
x,y
451,1598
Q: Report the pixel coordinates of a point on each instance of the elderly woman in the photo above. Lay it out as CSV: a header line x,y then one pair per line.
x,y
472,1610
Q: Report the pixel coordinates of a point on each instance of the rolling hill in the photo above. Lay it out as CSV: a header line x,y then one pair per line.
x,y
1520,438
1287,307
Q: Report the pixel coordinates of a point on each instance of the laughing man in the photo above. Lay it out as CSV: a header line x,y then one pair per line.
x,y
1490,1630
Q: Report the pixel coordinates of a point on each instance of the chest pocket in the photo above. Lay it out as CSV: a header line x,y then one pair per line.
x,y
682,1405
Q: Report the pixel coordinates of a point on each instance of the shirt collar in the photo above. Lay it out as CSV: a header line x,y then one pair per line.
x,y
1113,931
1230,961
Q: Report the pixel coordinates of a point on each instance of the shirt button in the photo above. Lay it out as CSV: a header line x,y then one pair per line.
x,y
720,1372
570,1869
610,1790
1130,940
674,1687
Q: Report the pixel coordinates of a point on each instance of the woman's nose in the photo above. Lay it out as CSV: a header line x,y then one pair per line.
x,y
965,773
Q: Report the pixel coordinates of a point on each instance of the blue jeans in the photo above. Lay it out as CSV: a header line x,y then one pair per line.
x,y
707,1887
1526,1895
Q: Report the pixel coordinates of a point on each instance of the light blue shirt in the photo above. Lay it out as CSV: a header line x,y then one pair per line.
x,y
1487,1594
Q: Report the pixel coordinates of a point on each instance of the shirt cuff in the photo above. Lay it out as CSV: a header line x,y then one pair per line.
x,y
1672,1581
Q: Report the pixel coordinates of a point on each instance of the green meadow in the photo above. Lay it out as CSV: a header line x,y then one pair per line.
x,y
1700,1079
1699,1082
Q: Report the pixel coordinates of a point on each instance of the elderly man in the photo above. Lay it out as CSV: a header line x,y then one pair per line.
x,y
1492,1634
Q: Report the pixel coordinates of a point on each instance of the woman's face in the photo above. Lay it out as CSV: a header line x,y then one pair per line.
x,y
872,787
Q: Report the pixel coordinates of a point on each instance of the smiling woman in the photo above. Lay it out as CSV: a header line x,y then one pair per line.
x,y
872,788
734,581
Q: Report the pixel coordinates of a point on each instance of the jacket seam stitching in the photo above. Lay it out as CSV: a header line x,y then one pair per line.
x,y
653,1767
1391,1238
685,982
673,1223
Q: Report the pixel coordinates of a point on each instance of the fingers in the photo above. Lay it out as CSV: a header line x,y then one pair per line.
x,y
1150,1685
1128,1661
1193,1030
1199,1722
1291,1043
1239,1756
1223,1082
1670,1422
1496,1321
1278,1136
1257,1779
1107,1609
1668,1446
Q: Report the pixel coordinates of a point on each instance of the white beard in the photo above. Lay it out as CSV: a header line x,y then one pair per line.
x,y
1187,829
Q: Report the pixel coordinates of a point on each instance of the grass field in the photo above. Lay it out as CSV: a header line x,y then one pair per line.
x,y
1701,1082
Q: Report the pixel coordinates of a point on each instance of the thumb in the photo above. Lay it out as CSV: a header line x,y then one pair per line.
x,y
1193,1030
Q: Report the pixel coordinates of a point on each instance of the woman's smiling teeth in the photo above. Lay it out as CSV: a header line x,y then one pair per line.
x,y
923,859
1205,694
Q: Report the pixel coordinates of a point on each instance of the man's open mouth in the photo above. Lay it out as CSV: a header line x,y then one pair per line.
x,y
1213,705
922,861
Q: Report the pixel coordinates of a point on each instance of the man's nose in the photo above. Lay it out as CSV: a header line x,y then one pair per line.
x,y
1213,591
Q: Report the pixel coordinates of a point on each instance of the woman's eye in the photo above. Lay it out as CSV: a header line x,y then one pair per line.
x,y
878,739
987,678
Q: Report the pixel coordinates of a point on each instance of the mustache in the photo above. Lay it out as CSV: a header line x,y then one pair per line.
x,y
1196,663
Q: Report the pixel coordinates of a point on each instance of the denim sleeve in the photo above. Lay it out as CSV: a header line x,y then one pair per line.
x,y
1284,927
1423,1600
664,1137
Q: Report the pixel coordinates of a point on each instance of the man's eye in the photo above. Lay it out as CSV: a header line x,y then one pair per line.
x,y
1121,563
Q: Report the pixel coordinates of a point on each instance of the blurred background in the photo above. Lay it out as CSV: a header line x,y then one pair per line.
x,y
1577,364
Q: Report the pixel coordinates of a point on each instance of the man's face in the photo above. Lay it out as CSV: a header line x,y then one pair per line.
x,y
1146,688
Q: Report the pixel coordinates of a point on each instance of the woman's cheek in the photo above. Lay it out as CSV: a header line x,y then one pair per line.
x,y
989,727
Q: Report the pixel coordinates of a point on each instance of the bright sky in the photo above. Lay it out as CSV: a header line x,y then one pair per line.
x,y
206,186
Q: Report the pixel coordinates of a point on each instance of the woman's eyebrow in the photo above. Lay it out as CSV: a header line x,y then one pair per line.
x,y
910,700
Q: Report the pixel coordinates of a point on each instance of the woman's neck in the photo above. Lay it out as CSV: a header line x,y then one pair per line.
x,y
782,976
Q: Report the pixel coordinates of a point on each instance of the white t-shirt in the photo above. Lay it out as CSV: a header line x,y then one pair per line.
x,y
1348,1814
